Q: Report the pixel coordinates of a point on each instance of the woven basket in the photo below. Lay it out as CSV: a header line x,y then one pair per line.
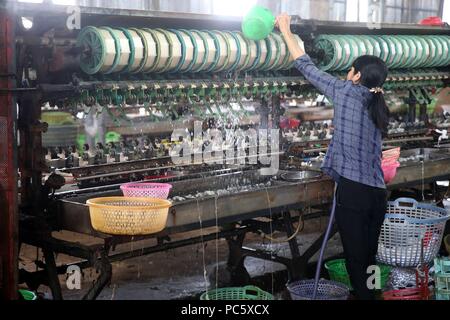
x,y
338,272
128,216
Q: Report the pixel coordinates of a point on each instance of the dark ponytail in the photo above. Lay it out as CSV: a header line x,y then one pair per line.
x,y
373,74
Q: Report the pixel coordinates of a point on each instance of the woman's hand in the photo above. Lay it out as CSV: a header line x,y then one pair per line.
x,y
283,22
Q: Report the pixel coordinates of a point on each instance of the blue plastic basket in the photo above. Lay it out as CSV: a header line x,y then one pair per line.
x,y
411,231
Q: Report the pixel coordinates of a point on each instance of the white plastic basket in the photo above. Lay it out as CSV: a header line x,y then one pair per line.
x,y
406,224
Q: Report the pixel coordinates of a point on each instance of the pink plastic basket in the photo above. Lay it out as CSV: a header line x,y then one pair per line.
x,y
146,189
389,170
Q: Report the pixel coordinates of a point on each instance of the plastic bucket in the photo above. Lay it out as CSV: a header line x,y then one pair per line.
x,y
389,171
27,295
338,272
258,23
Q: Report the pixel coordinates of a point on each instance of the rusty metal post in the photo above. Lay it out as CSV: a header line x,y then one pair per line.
x,y
8,162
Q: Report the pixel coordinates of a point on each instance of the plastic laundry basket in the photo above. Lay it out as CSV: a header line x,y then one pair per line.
x,y
128,216
326,290
146,189
407,223
404,294
338,272
237,293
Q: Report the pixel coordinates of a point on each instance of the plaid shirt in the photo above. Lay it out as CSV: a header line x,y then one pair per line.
x,y
355,149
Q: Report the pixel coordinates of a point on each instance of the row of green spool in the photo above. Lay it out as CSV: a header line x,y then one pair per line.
x,y
108,50
398,51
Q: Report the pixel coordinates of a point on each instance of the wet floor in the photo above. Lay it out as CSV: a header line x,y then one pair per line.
x,y
187,272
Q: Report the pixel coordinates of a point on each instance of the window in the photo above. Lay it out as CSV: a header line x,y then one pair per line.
x,y
446,11
233,7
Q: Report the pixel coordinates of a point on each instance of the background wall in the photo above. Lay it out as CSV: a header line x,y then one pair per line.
x,y
398,11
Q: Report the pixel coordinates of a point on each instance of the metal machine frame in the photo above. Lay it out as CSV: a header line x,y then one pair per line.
x,y
43,211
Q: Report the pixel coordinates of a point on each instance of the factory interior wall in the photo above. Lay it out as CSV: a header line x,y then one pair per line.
x,y
394,11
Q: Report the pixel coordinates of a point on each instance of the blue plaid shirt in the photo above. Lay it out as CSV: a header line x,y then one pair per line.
x,y
355,149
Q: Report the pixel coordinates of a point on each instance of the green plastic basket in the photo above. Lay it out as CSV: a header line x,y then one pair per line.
x,y
27,295
338,272
237,293
258,23
57,118
112,136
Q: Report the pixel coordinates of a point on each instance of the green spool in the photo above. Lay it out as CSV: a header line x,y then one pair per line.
x,y
247,57
205,43
408,52
169,41
352,43
132,50
397,60
258,23
425,48
158,49
238,54
144,42
194,54
375,45
439,48
183,51
383,45
278,64
433,52
390,57
225,63
338,272
269,67
258,57
269,54
414,52
327,44
447,40
340,63
363,50
217,56
90,37
237,293
405,49
445,43
285,64
368,45
118,49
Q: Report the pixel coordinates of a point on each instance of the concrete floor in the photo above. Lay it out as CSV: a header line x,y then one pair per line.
x,y
181,273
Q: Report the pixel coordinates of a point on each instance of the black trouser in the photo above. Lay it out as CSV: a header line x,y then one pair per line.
x,y
360,211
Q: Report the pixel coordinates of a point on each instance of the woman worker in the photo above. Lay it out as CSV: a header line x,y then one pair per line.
x,y
353,158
